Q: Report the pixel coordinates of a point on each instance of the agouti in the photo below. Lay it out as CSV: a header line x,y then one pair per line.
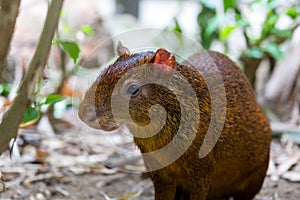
x,y
128,92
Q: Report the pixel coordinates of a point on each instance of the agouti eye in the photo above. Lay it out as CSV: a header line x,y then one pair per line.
x,y
133,89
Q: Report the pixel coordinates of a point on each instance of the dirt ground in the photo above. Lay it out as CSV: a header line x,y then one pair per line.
x,y
69,165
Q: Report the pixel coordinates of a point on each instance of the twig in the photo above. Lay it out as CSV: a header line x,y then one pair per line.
x,y
121,162
284,127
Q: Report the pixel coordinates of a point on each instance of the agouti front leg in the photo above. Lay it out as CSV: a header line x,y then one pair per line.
x,y
164,189
200,187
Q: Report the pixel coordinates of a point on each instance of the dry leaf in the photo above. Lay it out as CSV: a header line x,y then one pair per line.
x,y
289,162
41,155
131,195
292,176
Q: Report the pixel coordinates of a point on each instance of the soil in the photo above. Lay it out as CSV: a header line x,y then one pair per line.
x,y
62,168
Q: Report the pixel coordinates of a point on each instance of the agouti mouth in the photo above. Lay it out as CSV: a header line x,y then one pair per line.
x,y
103,122
93,119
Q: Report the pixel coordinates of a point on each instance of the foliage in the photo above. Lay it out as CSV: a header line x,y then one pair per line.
x,y
70,47
5,89
219,26
218,20
33,113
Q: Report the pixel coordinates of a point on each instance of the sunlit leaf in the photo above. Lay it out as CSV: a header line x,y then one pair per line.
x,y
66,27
225,32
53,98
87,29
269,23
71,48
292,12
228,4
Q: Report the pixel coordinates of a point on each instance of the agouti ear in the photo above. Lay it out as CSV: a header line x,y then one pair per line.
x,y
122,50
164,59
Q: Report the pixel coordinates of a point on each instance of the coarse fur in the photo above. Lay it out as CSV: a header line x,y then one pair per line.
x,y
236,166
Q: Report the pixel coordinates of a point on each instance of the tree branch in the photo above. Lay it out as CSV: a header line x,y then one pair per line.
x,y
14,116
8,15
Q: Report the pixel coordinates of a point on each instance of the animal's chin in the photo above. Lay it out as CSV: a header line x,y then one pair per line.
x,y
109,127
102,123
102,126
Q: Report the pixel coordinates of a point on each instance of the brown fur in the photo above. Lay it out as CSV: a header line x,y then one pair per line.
x,y
237,164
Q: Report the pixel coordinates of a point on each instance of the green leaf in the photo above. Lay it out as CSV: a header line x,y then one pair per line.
x,y
66,27
292,13
208,24
273,18
87,29
53,98
71,48
5,89
281,32
177,27
254,52
212,27
225,32
229,4
274,50
30,114
55,41
269,24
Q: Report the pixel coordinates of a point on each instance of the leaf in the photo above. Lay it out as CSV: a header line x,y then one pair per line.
x,y
206,18
55,41
229,4
274,50
177,27
293,13
225,32
269,23
212,26
5,89
87,29
281,32
71,48
31,114
254,52
53,98
66,27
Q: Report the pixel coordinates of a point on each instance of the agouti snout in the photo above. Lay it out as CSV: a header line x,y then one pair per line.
x,y
168,108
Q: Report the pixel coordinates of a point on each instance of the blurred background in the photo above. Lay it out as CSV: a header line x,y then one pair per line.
x,y
57,156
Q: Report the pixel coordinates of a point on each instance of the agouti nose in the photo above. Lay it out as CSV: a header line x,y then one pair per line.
x,y
87,113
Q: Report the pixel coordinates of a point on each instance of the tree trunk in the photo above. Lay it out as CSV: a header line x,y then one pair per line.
x,y
8,15
14,116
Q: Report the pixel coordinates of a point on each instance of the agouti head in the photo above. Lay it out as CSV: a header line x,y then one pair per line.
x,y
128,88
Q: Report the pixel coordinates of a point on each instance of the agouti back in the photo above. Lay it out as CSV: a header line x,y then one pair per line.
x,y
237,164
